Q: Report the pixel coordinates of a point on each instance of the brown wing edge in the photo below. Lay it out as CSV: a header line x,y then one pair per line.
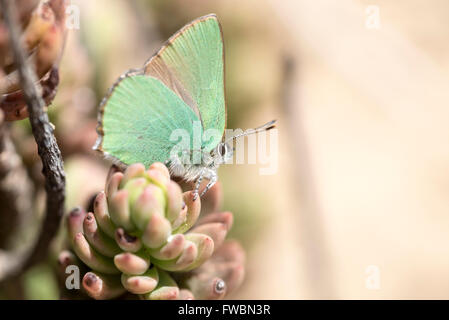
x,y
98,146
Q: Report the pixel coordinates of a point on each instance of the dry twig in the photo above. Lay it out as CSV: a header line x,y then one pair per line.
x,y
48,151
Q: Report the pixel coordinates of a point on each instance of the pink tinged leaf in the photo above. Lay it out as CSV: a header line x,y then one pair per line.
x,y
166,289
225,218
132,263
162,168
102,216
144,283
205,247
119,210
102,287
158,178
101,242
172,249
174,201
156,232
127,242
193,212
133,171
75,222
113,183
146,205
91,258
216,231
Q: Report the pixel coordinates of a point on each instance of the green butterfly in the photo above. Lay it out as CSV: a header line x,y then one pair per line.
x,y
180,89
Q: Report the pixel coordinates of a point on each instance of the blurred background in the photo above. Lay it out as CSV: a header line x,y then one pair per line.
x,y
359,206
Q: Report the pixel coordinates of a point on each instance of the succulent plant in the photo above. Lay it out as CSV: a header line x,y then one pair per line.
x,y
144,236
43,24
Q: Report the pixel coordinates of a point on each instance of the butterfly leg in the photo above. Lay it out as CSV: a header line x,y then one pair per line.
x,y
212,180
197,185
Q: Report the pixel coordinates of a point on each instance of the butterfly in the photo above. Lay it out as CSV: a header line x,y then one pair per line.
x,y
181,87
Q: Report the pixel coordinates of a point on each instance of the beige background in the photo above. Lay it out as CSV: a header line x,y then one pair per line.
x,y
364,137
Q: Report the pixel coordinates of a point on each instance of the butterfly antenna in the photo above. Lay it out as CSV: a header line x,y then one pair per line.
x,y
267,126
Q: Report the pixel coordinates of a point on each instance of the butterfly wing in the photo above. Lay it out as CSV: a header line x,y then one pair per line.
x,y
191,64
137,119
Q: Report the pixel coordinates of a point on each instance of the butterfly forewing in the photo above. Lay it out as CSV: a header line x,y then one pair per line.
x,y
192,65
139,118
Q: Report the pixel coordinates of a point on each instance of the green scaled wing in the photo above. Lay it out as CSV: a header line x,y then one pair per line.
x,y
138,118
191,63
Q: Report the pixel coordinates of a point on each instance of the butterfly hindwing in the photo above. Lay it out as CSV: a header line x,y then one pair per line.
x,y
191,64
138,119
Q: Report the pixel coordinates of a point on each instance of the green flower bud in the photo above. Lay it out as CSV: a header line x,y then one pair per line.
x,y
138,238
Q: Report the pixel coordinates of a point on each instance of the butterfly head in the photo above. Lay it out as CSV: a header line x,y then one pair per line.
x,y
222,153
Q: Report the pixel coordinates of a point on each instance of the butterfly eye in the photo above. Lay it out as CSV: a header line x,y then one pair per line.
x,y
222,149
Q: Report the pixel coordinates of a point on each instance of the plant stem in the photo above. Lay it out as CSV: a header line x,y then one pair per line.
x,y
47,148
